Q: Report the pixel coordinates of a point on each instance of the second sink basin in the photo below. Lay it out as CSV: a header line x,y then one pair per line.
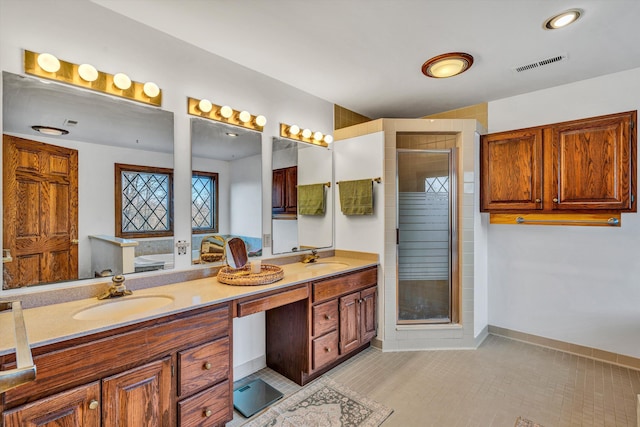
x,y
328,265
118,309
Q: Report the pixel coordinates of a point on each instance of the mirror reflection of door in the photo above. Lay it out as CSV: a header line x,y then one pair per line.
x,y
40,202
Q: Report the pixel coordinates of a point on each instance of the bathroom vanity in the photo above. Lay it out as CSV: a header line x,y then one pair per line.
x,y
173,365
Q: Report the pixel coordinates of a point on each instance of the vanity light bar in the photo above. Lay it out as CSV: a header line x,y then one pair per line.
x,y
305,135
225,114
49,67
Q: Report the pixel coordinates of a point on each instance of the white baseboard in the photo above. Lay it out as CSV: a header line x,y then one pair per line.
x,y
248,368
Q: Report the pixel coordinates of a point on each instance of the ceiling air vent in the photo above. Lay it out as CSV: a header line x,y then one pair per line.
x,y
541,63
69,122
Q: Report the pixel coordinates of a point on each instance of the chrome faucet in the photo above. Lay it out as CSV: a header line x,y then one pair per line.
x,y
312,257
117,288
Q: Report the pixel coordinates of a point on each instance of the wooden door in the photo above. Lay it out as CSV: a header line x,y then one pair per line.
x,y
511,170
40,199
79,407
349,322
367,314
291,190
277,191
592,163
139,397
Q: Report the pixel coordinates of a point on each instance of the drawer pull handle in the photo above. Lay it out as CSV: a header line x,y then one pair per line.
x,y
206,366
207,413
93,404
326,316
327,349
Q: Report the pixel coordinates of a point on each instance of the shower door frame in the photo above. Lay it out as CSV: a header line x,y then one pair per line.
x,y
454,291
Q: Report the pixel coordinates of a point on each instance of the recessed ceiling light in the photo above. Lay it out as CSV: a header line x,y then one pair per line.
x,y
447,65
48,130
563,19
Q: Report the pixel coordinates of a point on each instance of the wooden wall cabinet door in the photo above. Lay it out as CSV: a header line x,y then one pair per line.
x,y
139,397
277,191
511,170
592,163
78,407
284,191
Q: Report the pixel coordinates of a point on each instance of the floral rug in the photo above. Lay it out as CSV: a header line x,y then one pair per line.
x,y
323,403
523,422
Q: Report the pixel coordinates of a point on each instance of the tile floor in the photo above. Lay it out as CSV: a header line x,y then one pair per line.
x,y
490,386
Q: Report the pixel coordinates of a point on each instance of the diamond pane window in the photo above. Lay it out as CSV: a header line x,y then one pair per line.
x,y
145,201
204,197
437,184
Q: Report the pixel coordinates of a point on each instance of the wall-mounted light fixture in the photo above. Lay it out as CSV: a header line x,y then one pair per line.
x,y
305,135
225,114
47,66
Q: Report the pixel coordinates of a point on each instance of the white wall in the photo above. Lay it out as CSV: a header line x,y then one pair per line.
x,y
246,197
574,284
81,31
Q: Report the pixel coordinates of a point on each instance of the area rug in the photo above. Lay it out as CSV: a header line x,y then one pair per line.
x,y
323,403
523,422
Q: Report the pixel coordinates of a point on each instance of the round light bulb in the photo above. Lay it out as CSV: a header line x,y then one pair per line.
x,y
447,68
205,105
226,111
318,136
294,130
328,139
122,81
261,121
306,133
151,89
88,72
48,62
244,116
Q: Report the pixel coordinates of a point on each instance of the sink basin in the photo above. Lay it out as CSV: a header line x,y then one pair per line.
x,y
119,309
329,265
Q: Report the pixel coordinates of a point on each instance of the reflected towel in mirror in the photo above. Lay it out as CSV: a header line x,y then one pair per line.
x,y
311,199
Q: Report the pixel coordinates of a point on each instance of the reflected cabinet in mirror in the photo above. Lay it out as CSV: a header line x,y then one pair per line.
x,y
92,198
302,201
226,164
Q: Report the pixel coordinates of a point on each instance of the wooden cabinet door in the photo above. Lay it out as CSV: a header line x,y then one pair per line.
x,y
277,191
40,205
349,322
79,407
592,163
139,397
511,170
291,190
367,315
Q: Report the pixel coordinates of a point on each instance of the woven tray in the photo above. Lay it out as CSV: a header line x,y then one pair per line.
x,y
244,277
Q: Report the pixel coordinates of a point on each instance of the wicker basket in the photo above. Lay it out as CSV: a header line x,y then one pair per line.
x,y
244,277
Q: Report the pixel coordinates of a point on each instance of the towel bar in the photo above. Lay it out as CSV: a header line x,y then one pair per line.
x,y
378,180
25,370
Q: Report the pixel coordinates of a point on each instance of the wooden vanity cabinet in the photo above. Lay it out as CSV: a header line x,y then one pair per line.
x,y
309,337
173,371
577,166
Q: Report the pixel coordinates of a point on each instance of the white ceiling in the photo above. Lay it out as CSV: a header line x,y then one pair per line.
x,y
366,55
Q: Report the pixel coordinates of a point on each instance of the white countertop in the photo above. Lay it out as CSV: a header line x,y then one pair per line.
x,y
52,323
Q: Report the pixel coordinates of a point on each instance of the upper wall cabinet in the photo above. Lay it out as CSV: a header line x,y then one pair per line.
x,y
582,165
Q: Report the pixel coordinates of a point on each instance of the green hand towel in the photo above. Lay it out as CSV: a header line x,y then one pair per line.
x,y
356,197
311,199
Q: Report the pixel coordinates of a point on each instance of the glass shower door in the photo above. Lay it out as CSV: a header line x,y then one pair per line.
x,y
426,220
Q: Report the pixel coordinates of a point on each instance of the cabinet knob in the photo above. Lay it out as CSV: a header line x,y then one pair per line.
x,y
207,413
538,200
94,404
206,366
555,200
326,316
327,349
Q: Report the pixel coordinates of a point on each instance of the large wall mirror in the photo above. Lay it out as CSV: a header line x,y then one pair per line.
x,y
226,163
60,193
302,173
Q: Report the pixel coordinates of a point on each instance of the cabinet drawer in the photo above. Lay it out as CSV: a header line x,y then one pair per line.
x,y
325,349
331,288
210,407
325,317
203,366
272,301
